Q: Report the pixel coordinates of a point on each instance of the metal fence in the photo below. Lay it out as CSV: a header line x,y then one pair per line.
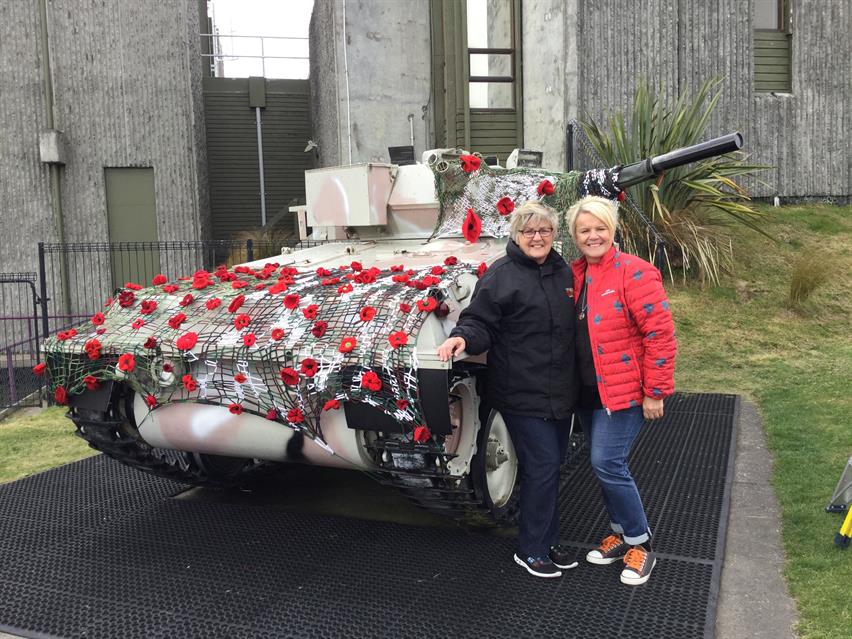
x,y
19,340
76,278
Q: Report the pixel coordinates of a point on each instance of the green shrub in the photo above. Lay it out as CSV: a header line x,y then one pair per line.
x,y
809,273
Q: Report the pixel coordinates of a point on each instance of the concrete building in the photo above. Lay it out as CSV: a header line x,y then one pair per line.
x,y
112,91
378,66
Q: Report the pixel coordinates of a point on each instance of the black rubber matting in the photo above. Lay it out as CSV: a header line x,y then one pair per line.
x,y
95,549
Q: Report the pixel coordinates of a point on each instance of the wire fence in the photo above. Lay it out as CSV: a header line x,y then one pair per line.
x,y
19,340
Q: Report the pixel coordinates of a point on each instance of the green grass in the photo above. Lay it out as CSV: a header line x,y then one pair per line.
x,y
796,364
31,443
742,337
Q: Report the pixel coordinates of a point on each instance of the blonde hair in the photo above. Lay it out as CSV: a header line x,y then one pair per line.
x,y
532,211
603,209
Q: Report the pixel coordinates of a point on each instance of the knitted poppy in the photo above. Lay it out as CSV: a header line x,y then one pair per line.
x,y
278,287
235,304
371,381
398,339
126,299
480,270
239,378
235,409
238,284
170,288
422,434
148,307
545,187
309,367
472,227
319,329
291,301
176,320
295,416
187,300
213,303
289,376
405,308
347,344
60,395
367,313
38,369
91,382
277,333
187,341
397,268
356,266
93,349
133,286
402,404
323,272
452,260
427,305
151,342
151,401
241,321
332,404
158,279
505,205
137,324
249,340
98,318
346,288
469,163
271,414
126,362
189,383
310,312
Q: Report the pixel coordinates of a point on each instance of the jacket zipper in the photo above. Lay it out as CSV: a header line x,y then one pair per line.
x,y
591,341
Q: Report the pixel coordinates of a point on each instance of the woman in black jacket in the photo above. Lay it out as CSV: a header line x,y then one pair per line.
x,y
522,313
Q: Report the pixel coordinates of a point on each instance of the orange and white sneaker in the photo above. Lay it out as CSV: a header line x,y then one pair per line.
x,y
611,549
638,564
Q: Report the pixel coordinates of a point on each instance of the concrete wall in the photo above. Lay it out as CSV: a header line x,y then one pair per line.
x,y
387,57
550,75
127,86
677,45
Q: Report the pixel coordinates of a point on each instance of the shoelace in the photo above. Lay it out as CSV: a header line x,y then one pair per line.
x,y
635,559
609,543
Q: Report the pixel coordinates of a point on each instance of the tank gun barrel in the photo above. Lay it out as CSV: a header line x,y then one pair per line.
x,y
649,167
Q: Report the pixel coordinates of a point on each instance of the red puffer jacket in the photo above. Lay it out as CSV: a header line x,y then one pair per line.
x,y
630,328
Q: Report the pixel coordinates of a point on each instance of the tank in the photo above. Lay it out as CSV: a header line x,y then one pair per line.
x,y
326,353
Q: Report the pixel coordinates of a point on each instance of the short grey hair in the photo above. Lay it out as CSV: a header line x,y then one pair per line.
x,y
532,211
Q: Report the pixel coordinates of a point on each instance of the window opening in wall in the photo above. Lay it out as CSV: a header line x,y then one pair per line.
x,y
772,46
491,54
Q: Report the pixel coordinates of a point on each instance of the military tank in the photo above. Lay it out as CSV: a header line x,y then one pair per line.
x,y
326,353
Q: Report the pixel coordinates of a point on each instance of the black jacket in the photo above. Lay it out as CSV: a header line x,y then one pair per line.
x,y
522,313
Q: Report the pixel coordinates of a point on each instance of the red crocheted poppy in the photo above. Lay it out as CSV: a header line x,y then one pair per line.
x,y
289,376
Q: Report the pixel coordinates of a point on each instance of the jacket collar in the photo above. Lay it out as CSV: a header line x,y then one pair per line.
x,y
580,265
517,255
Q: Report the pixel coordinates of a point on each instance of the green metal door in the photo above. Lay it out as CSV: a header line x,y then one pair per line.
x,y
132,217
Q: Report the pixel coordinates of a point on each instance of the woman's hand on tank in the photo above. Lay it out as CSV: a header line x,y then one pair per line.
x,y
652,408
450,347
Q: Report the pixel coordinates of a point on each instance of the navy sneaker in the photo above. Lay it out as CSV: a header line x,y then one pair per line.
x,y
562,557
638,564
539,566
612,549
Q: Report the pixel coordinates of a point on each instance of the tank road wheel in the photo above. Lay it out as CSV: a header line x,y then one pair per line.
x,y
494,470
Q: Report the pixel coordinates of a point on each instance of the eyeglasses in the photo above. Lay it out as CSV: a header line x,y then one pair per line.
x,y
543,233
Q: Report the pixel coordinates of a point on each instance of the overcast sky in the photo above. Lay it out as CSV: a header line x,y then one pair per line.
x,y
275,18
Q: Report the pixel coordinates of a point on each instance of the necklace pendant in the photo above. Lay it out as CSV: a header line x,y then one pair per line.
x,y
581,316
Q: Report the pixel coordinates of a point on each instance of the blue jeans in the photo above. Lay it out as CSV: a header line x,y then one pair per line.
x,y
540,445
610,438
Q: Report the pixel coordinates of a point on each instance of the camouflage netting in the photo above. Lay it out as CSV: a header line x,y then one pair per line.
x,y
278,343
471,188
289,345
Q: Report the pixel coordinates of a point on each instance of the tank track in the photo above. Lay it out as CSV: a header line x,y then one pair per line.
x,y
431,486
110,436
419,471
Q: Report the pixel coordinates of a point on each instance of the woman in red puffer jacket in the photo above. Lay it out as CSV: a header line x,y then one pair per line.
x,y
625,358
